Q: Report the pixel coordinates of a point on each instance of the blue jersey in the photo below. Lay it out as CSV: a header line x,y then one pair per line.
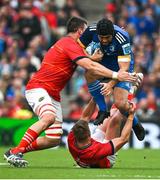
x,y
119,47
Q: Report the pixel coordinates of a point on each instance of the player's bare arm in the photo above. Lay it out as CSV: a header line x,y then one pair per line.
x,y
100,70
88,110
107,88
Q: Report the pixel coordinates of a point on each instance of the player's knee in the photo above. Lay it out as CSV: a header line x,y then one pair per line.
x,y
54,132
115,120
52,142
47,120
120,104
90,77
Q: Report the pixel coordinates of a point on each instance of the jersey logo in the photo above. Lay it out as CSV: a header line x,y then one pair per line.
x,y
92,47
120,38
112,48
126,48
41,99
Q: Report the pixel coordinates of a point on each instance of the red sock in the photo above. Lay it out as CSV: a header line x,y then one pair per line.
x,y
32,147
27,139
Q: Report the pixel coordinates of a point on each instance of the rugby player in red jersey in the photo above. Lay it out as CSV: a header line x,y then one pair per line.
x,y
98,150
43,90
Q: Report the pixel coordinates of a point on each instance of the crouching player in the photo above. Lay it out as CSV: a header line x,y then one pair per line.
x,y
99,150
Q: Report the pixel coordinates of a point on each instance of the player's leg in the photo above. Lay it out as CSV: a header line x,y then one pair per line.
x,y
94,88
110,129
42,105
110,123
113,129
122,103
52,134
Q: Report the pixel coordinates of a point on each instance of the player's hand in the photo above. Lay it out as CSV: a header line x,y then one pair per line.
x,y
125,76
106,89
132,108
97,55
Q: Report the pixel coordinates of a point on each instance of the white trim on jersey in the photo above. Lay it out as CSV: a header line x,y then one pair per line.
x,y
120,38
93,27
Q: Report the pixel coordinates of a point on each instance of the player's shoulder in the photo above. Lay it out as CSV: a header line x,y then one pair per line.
x,y
67,42
121,35
65,39
70,136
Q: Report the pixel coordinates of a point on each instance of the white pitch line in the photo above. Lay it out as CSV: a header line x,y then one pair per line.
x,y
3,164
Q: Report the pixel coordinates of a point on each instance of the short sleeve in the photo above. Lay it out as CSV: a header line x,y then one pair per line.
x,y
124,46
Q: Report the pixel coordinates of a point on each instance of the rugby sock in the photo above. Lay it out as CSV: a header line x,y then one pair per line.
x,y
135,121
95,90
27,139
32,147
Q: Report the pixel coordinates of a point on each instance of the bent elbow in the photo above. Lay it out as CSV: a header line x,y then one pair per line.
x,y
125,139
91,67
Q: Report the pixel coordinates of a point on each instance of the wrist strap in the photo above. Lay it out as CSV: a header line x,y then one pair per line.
x,y
115,75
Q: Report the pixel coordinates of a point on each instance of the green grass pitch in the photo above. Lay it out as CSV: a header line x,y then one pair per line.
x,y
58,164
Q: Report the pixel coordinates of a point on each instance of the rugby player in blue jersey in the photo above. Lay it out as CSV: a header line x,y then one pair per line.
x,y
114,42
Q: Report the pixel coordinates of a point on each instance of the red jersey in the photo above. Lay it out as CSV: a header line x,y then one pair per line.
x,y
94,155
57,67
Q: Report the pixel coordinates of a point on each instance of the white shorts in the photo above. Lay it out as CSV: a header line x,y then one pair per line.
x,y
99,136
42,103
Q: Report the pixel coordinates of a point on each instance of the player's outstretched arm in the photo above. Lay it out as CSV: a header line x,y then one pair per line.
x,y
125,134
88,110
100,70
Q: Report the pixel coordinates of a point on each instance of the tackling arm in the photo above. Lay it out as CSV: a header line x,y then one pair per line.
x,y
125,134
88,110
98,69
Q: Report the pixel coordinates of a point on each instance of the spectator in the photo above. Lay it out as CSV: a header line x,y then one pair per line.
x,y
26,26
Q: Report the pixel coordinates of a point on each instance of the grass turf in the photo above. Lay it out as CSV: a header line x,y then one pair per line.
x,y
58,164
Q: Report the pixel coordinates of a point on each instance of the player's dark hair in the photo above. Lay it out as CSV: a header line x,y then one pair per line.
x,y
105,27
81,131
74,23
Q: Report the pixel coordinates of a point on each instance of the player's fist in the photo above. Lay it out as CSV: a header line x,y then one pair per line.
x,y
125,76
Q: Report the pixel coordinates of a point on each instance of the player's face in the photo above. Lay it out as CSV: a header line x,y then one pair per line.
x,y
105,40
81,30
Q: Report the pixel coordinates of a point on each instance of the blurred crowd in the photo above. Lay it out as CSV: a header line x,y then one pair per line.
x,y
29,27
